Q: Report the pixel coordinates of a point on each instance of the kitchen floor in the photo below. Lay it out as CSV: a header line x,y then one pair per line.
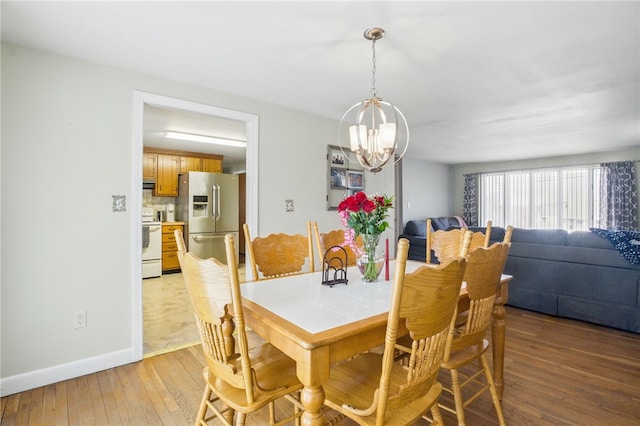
x,y
168,322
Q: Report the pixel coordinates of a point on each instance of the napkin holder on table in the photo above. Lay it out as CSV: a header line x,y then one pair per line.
x,y
334,268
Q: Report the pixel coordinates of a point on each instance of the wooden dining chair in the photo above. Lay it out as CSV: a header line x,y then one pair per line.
x,y
372,389
333,238
279,254
462,315
507,235
481,239
466,343
447,245
180,244
238,382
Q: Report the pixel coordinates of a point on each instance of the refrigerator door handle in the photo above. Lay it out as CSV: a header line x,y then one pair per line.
x,y
218,196
207,237
214,196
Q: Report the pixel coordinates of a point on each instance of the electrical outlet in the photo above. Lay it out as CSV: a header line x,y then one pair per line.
x,y
288,205
80,319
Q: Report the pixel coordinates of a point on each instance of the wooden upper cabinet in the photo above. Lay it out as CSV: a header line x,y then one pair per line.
x,y
190,164
164,166
149,161
211,165
197,164
167,175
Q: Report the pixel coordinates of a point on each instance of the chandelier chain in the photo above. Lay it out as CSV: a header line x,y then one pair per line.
x,y
373,70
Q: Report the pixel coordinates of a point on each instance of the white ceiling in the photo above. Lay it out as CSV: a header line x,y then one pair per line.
x,y
477,81
158,120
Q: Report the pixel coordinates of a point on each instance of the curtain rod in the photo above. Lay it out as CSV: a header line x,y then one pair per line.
x,y
549,167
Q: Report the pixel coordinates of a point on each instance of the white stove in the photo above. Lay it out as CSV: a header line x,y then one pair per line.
x,y
151,244
148,217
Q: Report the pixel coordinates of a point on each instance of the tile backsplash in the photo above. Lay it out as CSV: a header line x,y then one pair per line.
x,y
158,203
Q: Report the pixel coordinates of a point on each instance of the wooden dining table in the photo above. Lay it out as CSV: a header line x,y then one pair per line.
x,y
318,325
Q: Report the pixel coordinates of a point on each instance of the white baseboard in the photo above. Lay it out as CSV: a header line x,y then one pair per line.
x,y
34,379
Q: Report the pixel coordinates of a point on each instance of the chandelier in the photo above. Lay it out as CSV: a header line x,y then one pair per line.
x,y
376,127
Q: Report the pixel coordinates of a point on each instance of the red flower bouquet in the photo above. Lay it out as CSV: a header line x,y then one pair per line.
x,y
365,216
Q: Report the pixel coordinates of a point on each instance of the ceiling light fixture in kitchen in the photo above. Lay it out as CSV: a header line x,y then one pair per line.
x,y
205,139
377,129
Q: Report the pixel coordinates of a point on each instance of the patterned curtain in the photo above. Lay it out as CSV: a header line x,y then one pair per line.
x,y
618,196
470,199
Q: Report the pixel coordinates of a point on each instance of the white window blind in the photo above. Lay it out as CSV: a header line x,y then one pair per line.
x,y
565,197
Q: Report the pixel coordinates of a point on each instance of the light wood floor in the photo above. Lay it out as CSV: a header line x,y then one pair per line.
x,y
168,322
557,372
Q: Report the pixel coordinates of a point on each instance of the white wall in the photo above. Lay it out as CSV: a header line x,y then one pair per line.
x,y
67,136
427,190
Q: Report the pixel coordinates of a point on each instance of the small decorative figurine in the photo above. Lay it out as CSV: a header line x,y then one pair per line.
x,y
334,270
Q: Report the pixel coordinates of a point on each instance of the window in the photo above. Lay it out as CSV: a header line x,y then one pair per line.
x,y
565,197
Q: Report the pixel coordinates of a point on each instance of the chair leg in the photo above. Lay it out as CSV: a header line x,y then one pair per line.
x,y
272,414
435,414
492,389
240,419
296,410
202,411
457,396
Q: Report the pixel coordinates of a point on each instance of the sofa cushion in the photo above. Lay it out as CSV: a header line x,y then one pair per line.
x,y
540,236
444,223
416,227
587,239
497,232
417,247
573,254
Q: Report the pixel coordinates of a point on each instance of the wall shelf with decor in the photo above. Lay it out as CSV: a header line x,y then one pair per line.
x,y
345,176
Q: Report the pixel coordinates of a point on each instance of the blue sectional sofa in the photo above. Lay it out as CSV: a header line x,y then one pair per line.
x,y
577,275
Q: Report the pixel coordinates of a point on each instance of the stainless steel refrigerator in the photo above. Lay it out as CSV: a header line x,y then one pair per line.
x,y
208,205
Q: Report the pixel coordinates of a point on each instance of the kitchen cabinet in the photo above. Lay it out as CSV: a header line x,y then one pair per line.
x,y
190,164
149,161
167,175
164,166
170,260
198,164
211,165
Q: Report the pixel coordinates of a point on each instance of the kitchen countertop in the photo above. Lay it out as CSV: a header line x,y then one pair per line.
x,y
172,223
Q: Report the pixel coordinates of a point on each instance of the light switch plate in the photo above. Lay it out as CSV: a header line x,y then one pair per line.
x,y
288,205
119,203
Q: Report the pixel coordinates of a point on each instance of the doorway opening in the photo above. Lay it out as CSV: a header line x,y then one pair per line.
x,y
142,100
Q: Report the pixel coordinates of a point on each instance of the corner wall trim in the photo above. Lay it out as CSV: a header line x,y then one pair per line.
x,y
45,376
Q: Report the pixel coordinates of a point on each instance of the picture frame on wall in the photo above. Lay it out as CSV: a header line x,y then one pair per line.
x,y
338,178
355,179
337,158
345,176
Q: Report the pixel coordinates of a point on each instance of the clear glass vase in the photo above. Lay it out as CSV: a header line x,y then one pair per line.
x,y
371,261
